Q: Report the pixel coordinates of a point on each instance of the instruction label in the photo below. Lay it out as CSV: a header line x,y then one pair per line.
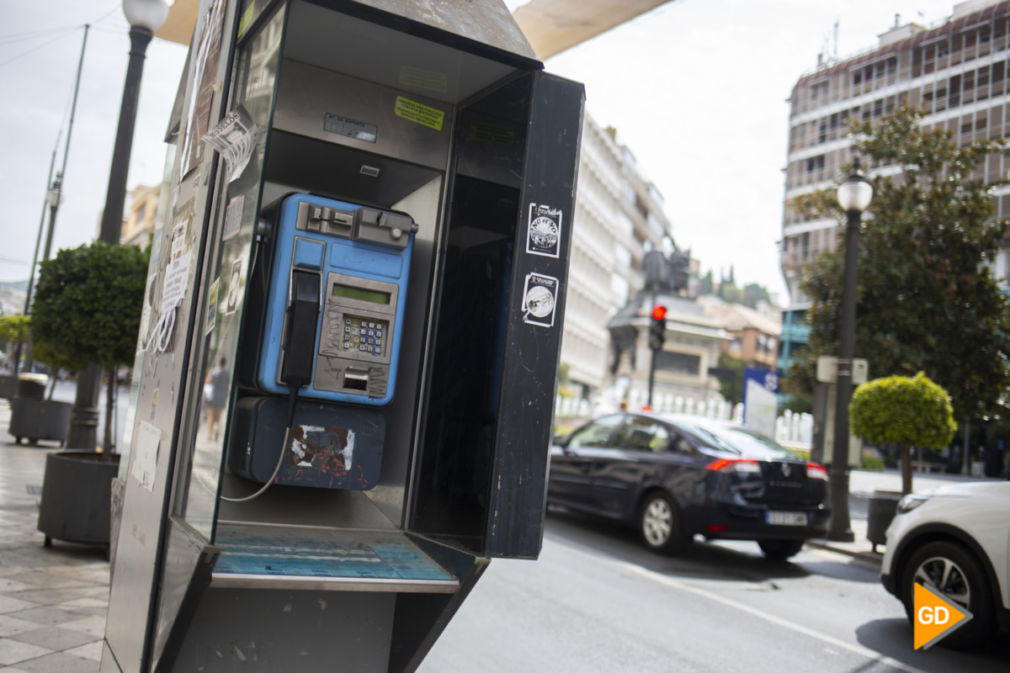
x,y
426,80
419,113
352,128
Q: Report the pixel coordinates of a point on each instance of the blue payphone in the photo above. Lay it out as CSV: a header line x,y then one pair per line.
x,y
334,307
329,304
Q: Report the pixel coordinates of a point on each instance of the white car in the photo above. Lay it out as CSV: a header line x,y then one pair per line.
x,y
956,539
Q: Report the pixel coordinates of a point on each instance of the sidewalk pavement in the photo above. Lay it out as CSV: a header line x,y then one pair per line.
x,y
862,484
53,601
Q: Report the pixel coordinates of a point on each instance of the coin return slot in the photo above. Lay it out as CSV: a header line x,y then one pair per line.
x,y
355,380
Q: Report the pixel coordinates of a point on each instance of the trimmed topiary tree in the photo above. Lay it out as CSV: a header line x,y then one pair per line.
x,y
87,308
904,411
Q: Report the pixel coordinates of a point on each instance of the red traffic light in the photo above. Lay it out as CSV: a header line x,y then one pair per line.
x,y
658,312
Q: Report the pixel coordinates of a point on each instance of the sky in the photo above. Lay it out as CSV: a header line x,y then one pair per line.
x,y
697,90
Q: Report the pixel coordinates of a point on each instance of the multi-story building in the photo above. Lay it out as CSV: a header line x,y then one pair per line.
x,y
956,71
753,334
141,214
618,217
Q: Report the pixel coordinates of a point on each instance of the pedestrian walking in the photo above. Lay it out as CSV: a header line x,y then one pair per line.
x,y
215,396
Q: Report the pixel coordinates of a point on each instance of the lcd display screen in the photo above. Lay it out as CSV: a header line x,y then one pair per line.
x,y
360,293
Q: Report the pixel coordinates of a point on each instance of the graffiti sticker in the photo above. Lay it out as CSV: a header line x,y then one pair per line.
x,y
540,299
544,234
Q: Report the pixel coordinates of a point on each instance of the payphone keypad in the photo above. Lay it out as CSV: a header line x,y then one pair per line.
x,y
365,335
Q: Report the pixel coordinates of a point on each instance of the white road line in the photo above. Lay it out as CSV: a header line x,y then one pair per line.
x,y
729,602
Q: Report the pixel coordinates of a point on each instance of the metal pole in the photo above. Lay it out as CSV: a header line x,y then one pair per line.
x,y
841,525
56,188
652,353
54,204
35,255
84,416
112,216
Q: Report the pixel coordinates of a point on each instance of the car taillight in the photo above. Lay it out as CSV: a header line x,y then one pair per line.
x,y
816,471
739,465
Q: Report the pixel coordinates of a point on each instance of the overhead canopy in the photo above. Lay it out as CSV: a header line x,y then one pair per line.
x,y
551,26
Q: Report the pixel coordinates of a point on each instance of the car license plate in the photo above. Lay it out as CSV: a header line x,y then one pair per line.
x,y
786,518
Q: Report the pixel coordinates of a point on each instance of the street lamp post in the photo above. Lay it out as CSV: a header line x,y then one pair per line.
x,y
853,196
145,17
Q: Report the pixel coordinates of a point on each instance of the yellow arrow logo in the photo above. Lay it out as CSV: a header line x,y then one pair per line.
x,y
935,616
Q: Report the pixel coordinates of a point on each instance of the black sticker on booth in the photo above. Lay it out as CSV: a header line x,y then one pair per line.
x,y
543,237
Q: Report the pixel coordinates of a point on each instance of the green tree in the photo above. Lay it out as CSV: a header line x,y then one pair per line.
x,y
904,411
754,294
87,305
926,301
707,285
14,327
87,309
731,378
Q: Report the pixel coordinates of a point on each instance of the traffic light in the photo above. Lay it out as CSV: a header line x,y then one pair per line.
x,y
657,327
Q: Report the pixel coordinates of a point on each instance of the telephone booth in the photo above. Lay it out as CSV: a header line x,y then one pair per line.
x,y
347,364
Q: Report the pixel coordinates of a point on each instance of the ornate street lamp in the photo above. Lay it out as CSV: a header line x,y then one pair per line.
x,y
854,197
145,17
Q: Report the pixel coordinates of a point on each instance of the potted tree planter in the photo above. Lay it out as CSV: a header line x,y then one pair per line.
x,y
905,411
86,312
33,417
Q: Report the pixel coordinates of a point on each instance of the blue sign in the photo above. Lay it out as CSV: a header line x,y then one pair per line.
x,y
760,400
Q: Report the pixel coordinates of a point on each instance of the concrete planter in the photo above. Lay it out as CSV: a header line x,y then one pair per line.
x,y
33,420
881,510
76,496
8,386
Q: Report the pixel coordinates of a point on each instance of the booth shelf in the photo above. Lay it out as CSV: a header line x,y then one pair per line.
x,y
269,557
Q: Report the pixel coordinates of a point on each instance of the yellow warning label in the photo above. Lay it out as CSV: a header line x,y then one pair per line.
x,y
491,133
426,80
935,616
419,113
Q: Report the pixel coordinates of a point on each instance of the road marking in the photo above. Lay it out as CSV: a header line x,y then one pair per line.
x,y
729,602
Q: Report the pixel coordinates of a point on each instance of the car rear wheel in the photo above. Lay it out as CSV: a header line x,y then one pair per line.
x,y
780,550
659,524
957,575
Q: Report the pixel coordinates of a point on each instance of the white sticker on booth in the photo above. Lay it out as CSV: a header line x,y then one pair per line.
x,y
144,458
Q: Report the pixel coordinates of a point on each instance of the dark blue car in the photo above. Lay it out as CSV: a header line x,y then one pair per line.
x,y
677,476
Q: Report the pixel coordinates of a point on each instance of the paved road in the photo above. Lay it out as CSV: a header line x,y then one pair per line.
x,y
596,601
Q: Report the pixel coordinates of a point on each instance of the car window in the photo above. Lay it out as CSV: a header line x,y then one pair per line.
x,y
681,444
737,440
596,433
643,434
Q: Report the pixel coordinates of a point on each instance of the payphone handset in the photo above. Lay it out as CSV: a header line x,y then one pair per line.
x,y
335,303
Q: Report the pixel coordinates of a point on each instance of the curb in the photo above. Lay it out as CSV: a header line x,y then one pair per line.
x,y
876,558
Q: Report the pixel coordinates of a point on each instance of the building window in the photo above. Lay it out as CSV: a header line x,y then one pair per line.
x,y
815,163
678,363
